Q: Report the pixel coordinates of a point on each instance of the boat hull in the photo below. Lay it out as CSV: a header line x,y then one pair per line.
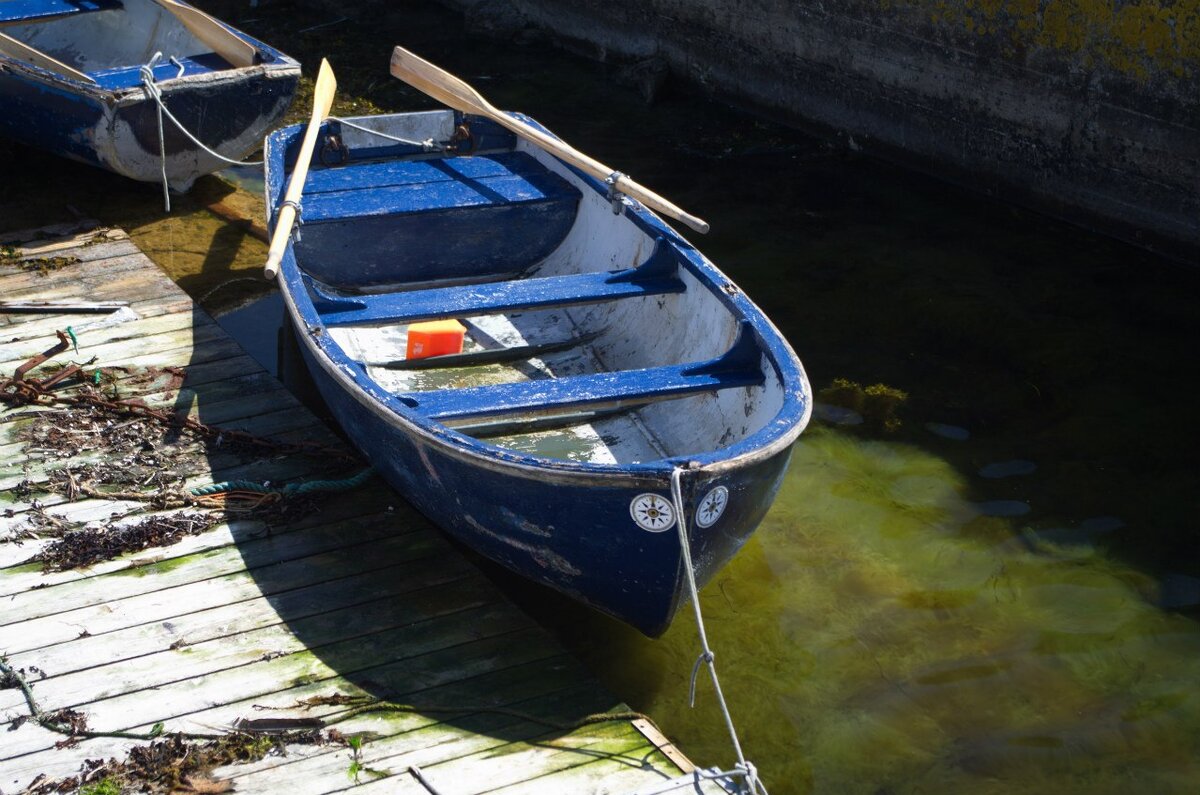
x,y
119,131
87,98
568,530
667,370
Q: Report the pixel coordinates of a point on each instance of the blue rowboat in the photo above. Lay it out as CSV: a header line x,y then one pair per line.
x,y
74,75
603,354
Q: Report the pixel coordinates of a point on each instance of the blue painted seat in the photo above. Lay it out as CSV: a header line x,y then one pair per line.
x,y
740,366
34,10
442,218
120,77
657,275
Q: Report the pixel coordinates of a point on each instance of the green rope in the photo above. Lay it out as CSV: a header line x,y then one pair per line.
x,y
345,484
291,489
74,339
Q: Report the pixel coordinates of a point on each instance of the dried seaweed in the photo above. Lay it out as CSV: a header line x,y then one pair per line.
x,y
175,764
93,545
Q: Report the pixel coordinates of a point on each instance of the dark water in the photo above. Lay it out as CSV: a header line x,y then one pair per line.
x,y
999,596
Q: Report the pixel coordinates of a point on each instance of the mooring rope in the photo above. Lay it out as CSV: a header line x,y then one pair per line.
x,y
744,767
428,144
150,86
694,781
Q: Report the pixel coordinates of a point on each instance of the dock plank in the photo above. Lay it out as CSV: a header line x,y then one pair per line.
x,y
355,595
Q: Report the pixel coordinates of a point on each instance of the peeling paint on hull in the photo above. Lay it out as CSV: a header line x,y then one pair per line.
x,y
564,521
115,127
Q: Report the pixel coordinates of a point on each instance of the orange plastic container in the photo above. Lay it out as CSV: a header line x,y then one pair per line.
x,y
435,338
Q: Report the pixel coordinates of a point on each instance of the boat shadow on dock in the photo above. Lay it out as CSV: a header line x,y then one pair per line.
x,y
317,606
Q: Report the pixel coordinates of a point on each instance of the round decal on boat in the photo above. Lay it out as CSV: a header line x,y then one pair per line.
x,y
712,506
652,512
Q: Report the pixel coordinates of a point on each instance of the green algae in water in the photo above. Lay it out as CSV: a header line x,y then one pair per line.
x,y
872,638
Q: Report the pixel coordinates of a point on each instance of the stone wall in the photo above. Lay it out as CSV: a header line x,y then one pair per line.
x,y
1086,109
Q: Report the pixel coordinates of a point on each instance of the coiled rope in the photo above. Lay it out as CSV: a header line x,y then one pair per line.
x,y
150,86
745,768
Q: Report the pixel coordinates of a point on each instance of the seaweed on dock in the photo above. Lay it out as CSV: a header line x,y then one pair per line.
x,y
175,764
92,544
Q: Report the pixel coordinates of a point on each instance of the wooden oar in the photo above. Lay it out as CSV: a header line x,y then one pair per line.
x,y
223,41
322,103
450,90
23,52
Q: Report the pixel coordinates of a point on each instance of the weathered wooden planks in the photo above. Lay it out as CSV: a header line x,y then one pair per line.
x,y
358,596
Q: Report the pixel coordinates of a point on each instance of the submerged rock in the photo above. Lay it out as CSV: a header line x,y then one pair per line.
x,y
836,415
1179,591
945,431
1008,469
1003,508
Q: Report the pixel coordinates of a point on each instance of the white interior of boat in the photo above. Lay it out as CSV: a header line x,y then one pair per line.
x,y
112,37
631,333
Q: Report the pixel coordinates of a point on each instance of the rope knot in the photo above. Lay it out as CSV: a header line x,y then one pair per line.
x,y
750,772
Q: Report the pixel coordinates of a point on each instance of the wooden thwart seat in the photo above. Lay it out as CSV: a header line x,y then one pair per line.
x,y
740,366
655,276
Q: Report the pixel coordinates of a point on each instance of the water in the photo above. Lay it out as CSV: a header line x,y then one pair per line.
x,y
1001,595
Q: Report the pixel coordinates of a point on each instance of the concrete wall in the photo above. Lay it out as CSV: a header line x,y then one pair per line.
x,y
1087,109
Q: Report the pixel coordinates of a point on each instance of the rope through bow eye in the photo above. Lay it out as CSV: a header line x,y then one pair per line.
x,y
746,769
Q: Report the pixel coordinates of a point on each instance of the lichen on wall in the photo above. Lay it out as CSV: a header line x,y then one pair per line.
x,y
1140,39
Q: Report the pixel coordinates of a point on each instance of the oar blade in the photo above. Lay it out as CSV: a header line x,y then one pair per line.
x,y
225,42
323,92
438,83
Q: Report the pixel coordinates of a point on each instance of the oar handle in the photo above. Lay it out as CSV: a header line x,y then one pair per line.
x,y
323,94
283,229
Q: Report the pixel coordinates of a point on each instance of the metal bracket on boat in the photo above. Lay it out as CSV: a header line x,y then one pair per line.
x,y
332,143
299,217
615,197
462,142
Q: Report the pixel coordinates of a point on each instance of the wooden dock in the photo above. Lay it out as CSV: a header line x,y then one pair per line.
x,y
341,594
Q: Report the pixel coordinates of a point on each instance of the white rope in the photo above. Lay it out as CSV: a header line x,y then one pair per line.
x,y
746,768
428,145
150,86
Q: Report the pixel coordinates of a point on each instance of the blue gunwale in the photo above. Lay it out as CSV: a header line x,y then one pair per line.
x,y
352,375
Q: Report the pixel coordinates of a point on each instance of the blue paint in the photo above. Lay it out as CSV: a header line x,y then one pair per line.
x,y
417,220
564,523
737,368
32,10
121,77
656,276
